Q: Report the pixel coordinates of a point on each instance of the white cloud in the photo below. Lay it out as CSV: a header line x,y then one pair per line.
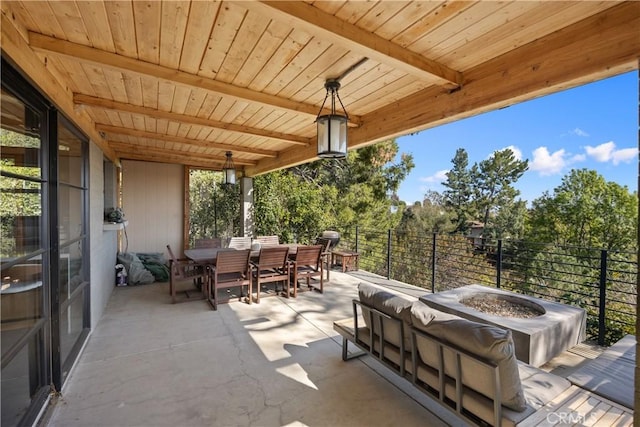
x,y
546,163
607,152
625,155
437,177
577,159
602,152
579,132
517,153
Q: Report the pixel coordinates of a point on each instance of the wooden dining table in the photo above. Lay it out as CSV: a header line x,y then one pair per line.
x,y
209,255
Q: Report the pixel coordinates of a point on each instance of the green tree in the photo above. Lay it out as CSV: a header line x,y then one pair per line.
x,y
430,216
331,193
493,181
586,211
21,198
508,219
566,233
293,208
459,193
214,206
484,192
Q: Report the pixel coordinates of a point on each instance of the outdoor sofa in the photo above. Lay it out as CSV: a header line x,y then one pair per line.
x,y
468,367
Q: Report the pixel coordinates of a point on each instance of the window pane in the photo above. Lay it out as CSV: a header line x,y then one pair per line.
x,y
20,219
20,137
69,157
20,158
21,300
70,213
71,272
20,380
71,325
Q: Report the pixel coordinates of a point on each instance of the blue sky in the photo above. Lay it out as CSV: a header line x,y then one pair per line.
x,y
594,126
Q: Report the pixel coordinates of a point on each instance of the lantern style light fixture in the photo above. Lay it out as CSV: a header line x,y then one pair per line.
x,y
229,170
332,128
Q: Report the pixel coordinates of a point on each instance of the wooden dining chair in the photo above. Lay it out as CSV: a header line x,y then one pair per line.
x,y
240,243
326,253
215,242
181,272
271,266
232,269
268,240
307,264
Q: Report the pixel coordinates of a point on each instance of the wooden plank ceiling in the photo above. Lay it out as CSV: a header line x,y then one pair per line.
x,y
184,82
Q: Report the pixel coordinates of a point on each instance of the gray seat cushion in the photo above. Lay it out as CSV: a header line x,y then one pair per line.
x,y
484,341
393,305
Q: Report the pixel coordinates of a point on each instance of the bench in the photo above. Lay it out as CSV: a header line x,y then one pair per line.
x,y
348,259
467,367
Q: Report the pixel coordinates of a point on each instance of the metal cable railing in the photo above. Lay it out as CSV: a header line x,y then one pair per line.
x,y
600,281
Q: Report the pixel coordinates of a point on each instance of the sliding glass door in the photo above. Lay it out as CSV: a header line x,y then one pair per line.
x,y
73,256
25,315
44,241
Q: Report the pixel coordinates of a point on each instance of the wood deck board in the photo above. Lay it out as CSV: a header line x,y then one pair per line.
x,y
581,408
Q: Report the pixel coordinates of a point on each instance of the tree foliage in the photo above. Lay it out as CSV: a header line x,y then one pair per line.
x,y
492,181
214,206
485,193
301,202
21,191
586,211
459,193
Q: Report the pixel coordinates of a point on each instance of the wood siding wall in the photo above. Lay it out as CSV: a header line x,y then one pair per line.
x,y
153,205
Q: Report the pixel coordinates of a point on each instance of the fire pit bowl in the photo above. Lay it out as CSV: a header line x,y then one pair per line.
x,y
333,236
503,305
552,329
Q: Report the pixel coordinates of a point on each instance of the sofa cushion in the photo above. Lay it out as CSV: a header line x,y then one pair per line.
x,y
540,387
423,314
485,341
391,304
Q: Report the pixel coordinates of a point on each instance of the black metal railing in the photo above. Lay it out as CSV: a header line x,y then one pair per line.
x,y
601,281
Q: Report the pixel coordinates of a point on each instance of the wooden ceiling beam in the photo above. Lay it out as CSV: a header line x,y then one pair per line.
x,y
326,26
125,147
17,49
600,46
195,162
108,129
109,104
102,58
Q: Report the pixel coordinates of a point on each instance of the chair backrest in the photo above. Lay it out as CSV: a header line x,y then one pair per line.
x,y
177,269
326,243
240,243
309,256
273,257
215,242
233,261
172,257
268,240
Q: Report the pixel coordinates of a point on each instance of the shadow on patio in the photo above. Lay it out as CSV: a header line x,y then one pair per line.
x,y
276,363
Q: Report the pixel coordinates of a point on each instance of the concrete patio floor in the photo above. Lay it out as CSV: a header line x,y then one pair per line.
x,y
277,363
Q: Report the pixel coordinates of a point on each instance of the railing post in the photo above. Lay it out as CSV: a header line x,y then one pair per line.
x,y
356,248
433,263
499,263
389,254
602,327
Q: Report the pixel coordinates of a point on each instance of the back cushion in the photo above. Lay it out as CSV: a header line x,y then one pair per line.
x,y
487,342
392,305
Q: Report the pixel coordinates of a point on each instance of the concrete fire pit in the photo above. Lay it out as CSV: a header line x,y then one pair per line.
x,y
553,329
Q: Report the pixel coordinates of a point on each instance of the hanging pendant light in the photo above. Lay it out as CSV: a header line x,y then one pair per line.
x,y
229,170
332,128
